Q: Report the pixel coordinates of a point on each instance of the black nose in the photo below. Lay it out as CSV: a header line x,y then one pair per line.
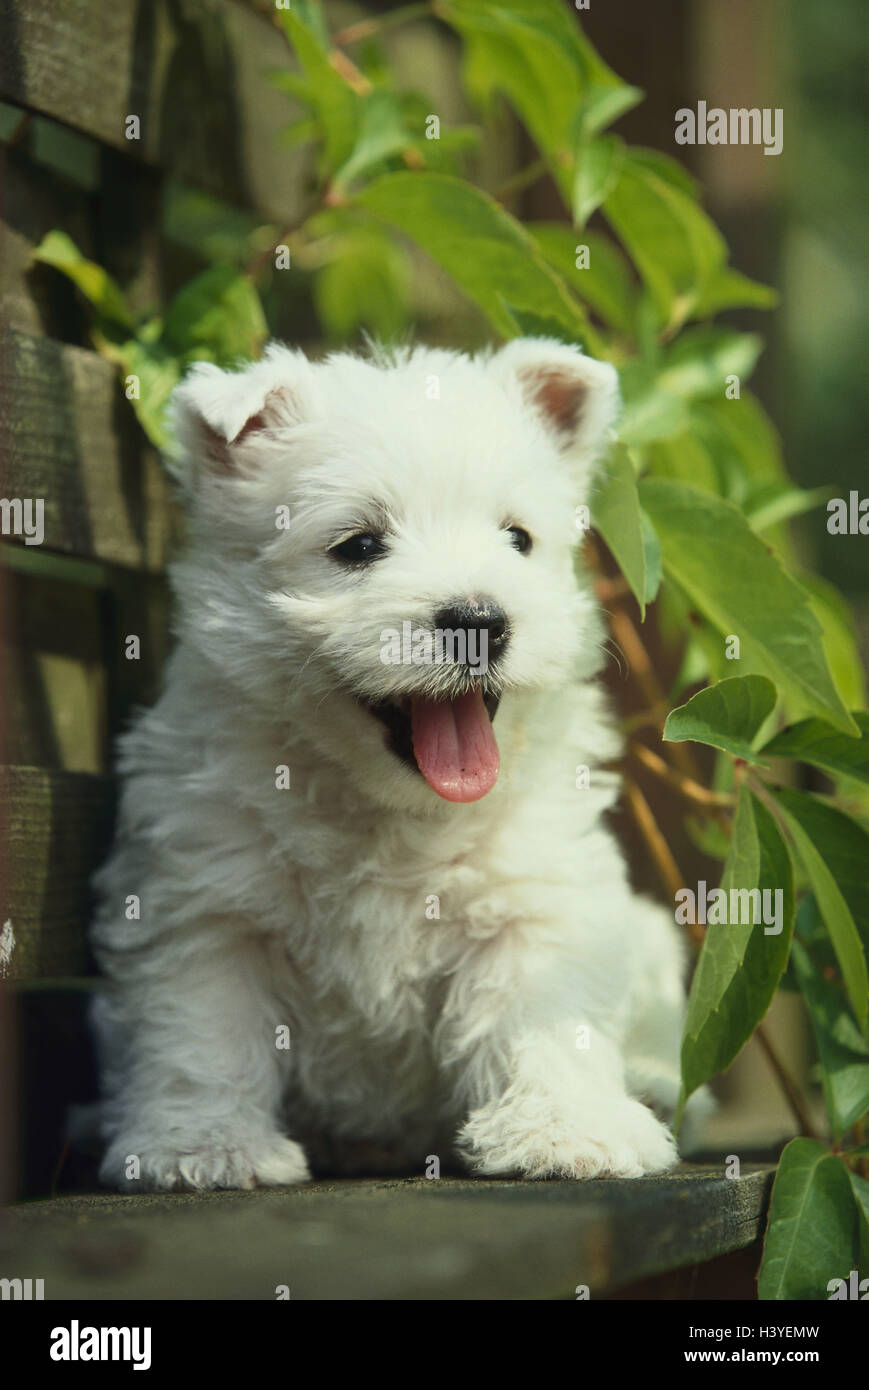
x,y
481,619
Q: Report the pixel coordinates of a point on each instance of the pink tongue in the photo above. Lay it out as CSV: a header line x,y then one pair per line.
x,y
455,747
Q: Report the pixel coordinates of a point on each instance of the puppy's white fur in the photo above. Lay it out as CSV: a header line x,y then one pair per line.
x,y
525,1028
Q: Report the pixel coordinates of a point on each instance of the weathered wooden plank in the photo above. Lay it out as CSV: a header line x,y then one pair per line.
x,y
70,682
55,679
117,220
32,204
133,606
196,76
57,830
68,436
452,1238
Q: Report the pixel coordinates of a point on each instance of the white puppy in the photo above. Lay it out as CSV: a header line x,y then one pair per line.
x,y
349,919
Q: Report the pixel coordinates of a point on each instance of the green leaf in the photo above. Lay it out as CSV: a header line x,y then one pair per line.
x,y
649,413
727,715
597,169
860,1189
845,848
60,251
524,52
739,585
814,827
742,444
683,459
740,965
158,371
530,325
769,502
485,250
605,284
840,638
617,516
809,928
674,245
709,836
382,134
701,359
211,229
742,439
729,289
813,1234
842,1048
657,398
605,104
311,14
817,742
333,102
654,563
365,286
534,53
663,166
218,311
446,154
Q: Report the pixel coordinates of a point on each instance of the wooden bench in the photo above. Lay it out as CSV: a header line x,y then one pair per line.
x,y
409,1238
69,77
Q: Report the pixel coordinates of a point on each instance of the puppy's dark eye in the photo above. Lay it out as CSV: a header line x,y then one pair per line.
x,y
520,539
359,550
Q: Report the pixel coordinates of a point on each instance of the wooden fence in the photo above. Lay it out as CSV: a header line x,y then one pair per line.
x,y
71,74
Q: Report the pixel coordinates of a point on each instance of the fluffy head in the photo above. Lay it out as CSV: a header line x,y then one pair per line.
x,y
342,510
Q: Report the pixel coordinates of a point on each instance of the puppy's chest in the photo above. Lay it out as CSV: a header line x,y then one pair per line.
x,y
363,990
382,935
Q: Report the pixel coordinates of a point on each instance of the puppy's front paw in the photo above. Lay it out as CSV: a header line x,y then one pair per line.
x,y
267,1161
619,1138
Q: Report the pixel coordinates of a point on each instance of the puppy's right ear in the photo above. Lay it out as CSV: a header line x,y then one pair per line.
x,y
216,413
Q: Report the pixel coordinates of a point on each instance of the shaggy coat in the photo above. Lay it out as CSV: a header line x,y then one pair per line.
x,y
314,953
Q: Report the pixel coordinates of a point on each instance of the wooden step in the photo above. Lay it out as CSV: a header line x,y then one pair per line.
x,y
409,1238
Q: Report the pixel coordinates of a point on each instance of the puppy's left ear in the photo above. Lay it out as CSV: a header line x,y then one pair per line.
x,y
576,397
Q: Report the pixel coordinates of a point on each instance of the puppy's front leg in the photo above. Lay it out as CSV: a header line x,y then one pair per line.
x,y
541,1077
192,1069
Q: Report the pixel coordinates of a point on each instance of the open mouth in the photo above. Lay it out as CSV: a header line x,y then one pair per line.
x,y
449,742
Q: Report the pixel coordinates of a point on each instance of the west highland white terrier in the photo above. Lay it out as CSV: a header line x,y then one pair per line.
x,y
362,911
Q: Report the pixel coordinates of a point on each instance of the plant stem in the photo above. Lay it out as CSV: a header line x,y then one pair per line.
x,y
262,258
862,1160
791,1093
662,856
609,589
647,718
638,659
367,28
344,66
673,880
347,69
523,179
710,801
